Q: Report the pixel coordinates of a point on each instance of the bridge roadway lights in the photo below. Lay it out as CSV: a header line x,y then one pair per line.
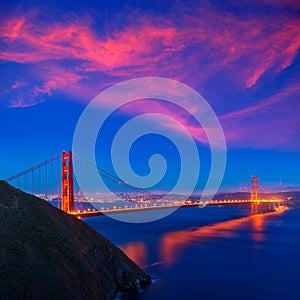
x,y
68,195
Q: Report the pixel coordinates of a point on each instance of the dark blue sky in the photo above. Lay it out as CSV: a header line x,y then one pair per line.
x,y
243,58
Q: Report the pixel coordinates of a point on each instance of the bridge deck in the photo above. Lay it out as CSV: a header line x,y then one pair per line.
x,y
92,213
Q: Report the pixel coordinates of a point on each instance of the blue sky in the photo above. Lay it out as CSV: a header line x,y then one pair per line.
x,y
243,58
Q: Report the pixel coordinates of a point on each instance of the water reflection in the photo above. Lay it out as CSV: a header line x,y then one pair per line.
x,y
172,243
136,251
258,228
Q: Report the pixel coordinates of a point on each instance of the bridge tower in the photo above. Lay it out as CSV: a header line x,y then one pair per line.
x,y
67,194
254,195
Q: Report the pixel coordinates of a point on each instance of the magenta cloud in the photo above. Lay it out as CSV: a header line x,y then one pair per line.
x,y
72,58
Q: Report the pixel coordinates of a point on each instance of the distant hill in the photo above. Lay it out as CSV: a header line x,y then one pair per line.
x,y
287,189
292,197
48,254
235,195
241,195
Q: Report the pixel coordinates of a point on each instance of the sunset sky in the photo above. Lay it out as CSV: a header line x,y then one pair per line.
x,y
242,56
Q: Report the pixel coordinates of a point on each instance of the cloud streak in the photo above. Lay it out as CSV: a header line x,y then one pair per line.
x,y
195,46
213,41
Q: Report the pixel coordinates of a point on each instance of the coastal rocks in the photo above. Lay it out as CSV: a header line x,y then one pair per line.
x,y
48,254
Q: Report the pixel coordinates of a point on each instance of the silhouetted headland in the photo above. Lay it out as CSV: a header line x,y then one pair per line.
x,y
48,254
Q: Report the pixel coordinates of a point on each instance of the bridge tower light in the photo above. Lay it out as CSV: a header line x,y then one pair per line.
x,y
254,188
254,195
67,194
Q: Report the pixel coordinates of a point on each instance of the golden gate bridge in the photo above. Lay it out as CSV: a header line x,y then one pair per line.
x,y
53,180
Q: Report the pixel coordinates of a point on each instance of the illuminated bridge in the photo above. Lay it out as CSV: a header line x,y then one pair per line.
x,y
53,181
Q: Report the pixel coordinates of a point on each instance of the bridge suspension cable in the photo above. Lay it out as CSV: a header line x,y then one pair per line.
x,y
9,179
46,181
42,180
53,181
146,194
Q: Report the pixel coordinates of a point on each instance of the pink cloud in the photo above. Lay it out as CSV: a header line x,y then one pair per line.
x,y
78,41
269,124
264,125
183,117
18,84
191,46
25,93
221,40
261,106
21,103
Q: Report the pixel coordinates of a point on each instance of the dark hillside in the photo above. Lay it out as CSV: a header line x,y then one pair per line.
x,y
48,254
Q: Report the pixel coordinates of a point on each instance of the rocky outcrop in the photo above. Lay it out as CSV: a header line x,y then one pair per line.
x,y
48,254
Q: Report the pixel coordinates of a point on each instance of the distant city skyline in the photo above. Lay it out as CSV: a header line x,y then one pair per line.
x,y
242,57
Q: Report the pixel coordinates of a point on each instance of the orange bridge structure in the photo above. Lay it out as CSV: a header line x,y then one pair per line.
x,y
42,181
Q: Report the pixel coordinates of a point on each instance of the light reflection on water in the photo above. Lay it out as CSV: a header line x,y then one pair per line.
x,y
172,243
136,251
217,253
